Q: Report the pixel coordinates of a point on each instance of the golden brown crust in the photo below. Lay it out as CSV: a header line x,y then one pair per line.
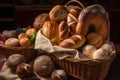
x,y
63,30
73,42
95,39
58,13
40,19
72,20
50,30
95,15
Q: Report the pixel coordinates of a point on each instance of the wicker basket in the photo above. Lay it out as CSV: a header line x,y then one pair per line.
x,y
29,53
85,70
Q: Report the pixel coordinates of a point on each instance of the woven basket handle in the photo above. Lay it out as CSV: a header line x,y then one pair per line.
x,y
75,1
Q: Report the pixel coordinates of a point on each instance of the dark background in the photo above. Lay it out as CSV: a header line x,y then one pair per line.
x,y
15,13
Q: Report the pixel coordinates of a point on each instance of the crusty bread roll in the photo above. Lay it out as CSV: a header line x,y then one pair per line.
x,y
15,59
88,51
108,47
22,35
30,31
12,42
50,30
40,19
100,54
58,74
58,13
63,30
73,42
93,15
95,39
25,42
43,65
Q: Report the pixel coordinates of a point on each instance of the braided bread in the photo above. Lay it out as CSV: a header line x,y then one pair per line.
x,y
63,30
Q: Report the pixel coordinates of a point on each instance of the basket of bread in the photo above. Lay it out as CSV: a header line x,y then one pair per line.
x,y
19,41
77,39
74,38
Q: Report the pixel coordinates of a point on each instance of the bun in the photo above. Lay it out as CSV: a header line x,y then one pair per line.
x,y
93,15
59,74
9,34
30,31
58,13
50,30
43,65
100,54
12,42
14,60
74,41
25,42
22,35
40,19
24,70
95,39
63,30
88,51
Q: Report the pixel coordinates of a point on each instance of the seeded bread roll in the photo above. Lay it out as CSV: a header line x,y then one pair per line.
x,y
58,13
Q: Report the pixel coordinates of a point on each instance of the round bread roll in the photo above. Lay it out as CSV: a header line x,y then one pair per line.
x,y
58,74
9,34
43,65
25,42
88,51
93,15
50,30
58,13
107,47
73,42
40,19
24,70
14,60
100,54
12,42
30,31
22,35
95,39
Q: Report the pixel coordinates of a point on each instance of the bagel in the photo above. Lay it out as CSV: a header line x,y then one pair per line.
x,y
93,15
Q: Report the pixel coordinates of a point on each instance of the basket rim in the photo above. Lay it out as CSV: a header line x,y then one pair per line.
x,y
91,61
8,47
